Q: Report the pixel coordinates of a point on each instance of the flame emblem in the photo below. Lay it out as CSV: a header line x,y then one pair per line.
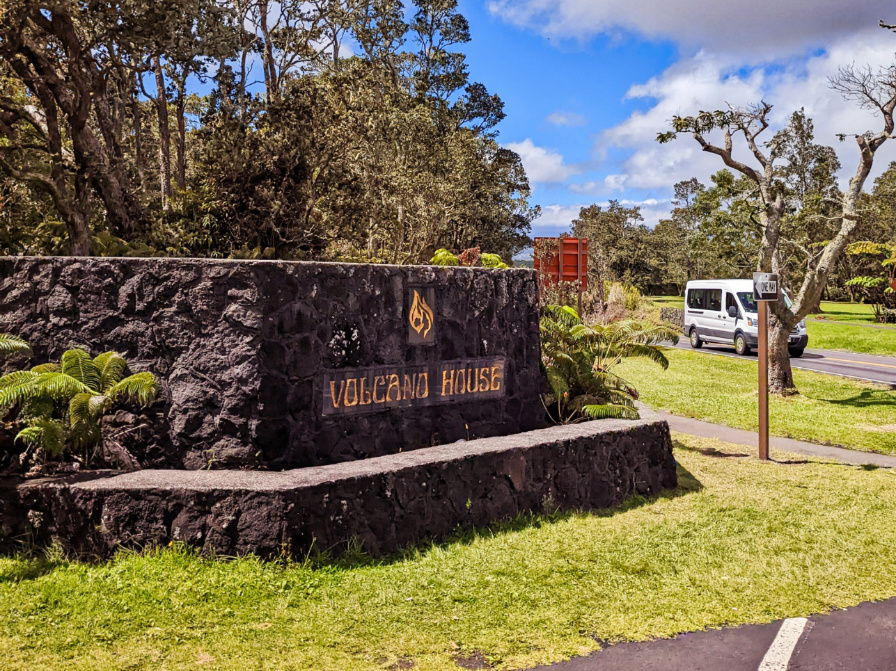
x,y
421,316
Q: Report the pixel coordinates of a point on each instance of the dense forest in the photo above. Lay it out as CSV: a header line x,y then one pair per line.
x,y
329,129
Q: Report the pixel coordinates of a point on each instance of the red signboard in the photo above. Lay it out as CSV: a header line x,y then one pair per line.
x,y
568,263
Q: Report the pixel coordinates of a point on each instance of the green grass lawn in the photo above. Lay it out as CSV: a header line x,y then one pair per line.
x,y
667,301
829,410
851,338
739,542
859,313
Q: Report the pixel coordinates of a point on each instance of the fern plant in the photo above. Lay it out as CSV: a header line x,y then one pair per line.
x,y
62,405
579,360
9,344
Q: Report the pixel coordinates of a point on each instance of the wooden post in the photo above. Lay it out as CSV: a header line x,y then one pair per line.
x,y
763,380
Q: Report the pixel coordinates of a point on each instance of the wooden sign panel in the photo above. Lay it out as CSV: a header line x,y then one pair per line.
x,y
363,390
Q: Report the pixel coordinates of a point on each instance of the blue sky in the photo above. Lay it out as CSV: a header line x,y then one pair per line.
x,y
587,84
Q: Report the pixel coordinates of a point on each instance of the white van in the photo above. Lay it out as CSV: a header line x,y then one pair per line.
x,y
723,311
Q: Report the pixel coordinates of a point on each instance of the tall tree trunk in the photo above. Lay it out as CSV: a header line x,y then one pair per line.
x,y
270,68
164,134
780,373
137,120
181,144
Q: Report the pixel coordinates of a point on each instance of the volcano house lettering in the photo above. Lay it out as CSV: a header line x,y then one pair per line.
x,y
361,390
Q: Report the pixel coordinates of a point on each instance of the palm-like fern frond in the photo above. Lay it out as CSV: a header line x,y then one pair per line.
x,y
112,367
47,368
48,433
579,361
17,377
138,388
610,411
76,363
10,344
65,403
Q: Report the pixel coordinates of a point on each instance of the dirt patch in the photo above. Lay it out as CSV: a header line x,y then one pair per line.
x,y
473,660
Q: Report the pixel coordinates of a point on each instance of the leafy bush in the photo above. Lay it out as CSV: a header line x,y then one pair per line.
x,y
443,257
492,261
579,360
62,405
469,257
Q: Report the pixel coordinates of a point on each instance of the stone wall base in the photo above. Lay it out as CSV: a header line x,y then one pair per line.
x,y
386,502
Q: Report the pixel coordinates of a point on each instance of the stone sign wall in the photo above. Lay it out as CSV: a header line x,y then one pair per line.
x,y
285,365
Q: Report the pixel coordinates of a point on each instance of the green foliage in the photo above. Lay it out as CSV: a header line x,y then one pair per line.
x,y
443,257
9,344
62,405
579,361
492,261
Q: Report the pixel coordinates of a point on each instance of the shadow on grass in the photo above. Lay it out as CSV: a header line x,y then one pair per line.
x,y
355,557
27,568
867,398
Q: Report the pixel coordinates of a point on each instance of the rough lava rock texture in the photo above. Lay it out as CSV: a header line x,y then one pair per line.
x,y
240,346
387,502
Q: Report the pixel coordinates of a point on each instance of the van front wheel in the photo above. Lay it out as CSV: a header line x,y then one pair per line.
x,y
740,345
696,343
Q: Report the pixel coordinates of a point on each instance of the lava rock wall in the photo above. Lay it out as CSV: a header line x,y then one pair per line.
x,y
242,350
386,503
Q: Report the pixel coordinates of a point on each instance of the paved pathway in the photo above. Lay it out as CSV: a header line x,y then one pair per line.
x,y
695,427
880,369
856,639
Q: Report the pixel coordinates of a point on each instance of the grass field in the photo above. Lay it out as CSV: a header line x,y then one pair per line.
x,y
857,313
829,410
841,326
740,541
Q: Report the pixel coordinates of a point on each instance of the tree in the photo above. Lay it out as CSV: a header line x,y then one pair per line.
x,y
618,245
874,90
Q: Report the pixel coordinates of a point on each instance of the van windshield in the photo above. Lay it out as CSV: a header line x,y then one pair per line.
x,y
746,299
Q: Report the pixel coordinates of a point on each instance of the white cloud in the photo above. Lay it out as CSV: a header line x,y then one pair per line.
x,y
556,219
709,81
542,165
557,216
568,119
765,28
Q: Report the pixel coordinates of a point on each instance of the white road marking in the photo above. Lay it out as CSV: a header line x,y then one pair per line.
x,y
778,656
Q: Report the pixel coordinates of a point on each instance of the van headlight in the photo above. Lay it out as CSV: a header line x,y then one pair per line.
x,y
751,321
802,325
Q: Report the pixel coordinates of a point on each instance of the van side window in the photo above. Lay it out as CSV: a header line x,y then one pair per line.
x,y
715,299
697,299
729,302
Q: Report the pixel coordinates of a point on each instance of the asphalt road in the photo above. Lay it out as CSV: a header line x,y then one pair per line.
x,y
856,639
880,369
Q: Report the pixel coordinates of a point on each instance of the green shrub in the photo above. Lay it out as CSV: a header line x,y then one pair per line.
x,y
579,360
492,261
443,257
62,405
469,257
